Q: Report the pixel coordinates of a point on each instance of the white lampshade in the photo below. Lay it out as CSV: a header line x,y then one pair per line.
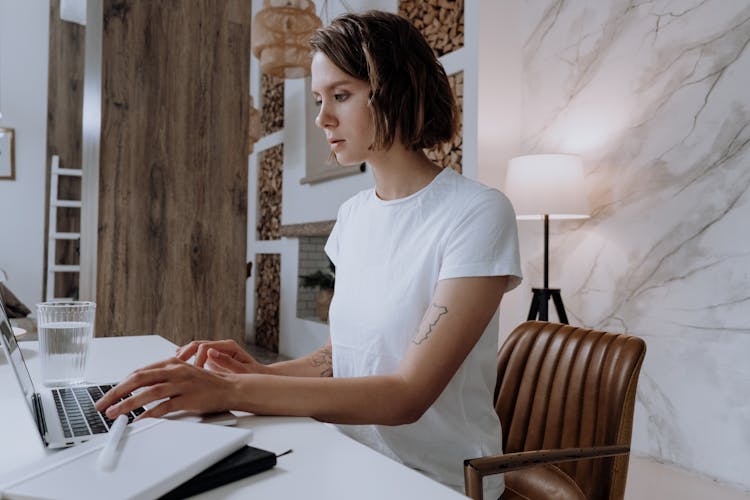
x,y
73,11
548,184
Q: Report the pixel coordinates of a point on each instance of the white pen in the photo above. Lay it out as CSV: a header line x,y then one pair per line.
x,y
109,452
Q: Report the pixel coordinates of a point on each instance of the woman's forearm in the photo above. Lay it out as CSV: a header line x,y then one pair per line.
x,y
383,400
315,364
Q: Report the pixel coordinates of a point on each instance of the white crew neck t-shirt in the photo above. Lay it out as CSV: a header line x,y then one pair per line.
x,y
389,256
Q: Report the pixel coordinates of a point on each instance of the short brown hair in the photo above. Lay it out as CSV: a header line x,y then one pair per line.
x,y
409,90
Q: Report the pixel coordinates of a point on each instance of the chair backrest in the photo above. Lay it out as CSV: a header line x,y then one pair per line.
x,y
559,386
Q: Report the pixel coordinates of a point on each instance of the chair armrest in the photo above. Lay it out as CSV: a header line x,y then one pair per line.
x,y
477,468
498,464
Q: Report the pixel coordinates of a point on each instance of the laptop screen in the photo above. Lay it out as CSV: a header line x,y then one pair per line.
x,y
13,352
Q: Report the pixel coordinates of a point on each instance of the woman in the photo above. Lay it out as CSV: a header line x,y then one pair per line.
x,y
422,261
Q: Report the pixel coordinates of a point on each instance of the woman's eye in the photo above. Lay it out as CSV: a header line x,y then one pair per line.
x,y
318,102
340,97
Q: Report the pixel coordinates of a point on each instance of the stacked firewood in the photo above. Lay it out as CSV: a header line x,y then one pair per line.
x,y
440,21
270,165
450,154
267,300
272,111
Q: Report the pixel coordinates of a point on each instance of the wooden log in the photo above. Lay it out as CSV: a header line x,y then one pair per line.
x,y
441,22
270,165
267,300
272,104
450,154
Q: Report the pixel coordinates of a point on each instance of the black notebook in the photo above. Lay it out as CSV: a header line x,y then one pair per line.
x,y
240,464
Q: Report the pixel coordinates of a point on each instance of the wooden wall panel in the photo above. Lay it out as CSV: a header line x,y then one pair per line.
x,y
173,176
64,112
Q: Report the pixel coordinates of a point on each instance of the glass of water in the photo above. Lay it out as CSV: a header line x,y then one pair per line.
x,y
65,333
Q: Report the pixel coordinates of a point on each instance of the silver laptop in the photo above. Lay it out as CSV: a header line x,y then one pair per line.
x,y
66,415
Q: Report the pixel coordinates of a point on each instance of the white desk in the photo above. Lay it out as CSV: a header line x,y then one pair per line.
x,y
325,464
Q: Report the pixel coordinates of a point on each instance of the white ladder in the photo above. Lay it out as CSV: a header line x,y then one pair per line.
x,y
54,235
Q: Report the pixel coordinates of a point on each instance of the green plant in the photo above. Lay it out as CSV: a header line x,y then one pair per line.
x,y
320,278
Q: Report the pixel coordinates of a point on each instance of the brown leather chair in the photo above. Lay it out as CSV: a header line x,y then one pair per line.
x,y
566,396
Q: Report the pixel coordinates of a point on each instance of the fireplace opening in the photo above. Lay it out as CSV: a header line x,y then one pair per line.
x,y
313,301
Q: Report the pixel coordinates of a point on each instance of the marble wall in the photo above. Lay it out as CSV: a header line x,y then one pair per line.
x,y
654,95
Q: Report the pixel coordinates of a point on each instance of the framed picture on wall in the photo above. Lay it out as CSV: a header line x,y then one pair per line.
x,y
7,154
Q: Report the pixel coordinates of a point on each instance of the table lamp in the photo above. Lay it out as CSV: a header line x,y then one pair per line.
x,y
547,186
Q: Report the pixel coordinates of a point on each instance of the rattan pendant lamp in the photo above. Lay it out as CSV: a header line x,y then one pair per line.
x,y
279,37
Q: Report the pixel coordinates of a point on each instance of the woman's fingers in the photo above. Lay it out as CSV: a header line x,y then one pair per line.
x,y
142,398
163,408
147,376
186,352
229,347
241,355
226,363
201,354
196,347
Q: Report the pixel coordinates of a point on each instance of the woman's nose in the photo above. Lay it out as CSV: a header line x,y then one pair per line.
x,y
324,118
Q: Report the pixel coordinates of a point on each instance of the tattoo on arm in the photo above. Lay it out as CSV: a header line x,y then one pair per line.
x,y
433,316
323,359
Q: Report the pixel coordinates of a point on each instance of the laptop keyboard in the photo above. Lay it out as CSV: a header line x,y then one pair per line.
x,y
75,406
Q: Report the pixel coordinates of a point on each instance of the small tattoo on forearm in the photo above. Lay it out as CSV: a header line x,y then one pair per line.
x,y
323,359
434,314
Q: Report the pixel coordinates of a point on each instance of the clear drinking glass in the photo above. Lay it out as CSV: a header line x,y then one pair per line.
x,y
65,333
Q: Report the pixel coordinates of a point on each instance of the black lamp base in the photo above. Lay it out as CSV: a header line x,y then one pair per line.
x,y
540,303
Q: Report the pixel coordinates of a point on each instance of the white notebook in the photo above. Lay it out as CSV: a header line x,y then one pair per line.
x,y
154,456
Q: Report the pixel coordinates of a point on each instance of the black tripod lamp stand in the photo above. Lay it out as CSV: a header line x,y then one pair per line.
x,y
547,186
540,301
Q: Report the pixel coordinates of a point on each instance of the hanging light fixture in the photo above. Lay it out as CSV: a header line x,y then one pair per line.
x,y
253,129
280,34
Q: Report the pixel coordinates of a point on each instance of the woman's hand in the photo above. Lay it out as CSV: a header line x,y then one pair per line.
x,y
225,356
181,385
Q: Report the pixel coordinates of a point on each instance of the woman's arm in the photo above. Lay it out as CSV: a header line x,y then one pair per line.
x,y
315,364
450,328
228,357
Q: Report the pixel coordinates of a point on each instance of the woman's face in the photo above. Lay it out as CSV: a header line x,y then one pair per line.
x,y
343,111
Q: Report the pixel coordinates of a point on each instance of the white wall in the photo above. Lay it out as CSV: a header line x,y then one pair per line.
x,y
24,39
497,46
